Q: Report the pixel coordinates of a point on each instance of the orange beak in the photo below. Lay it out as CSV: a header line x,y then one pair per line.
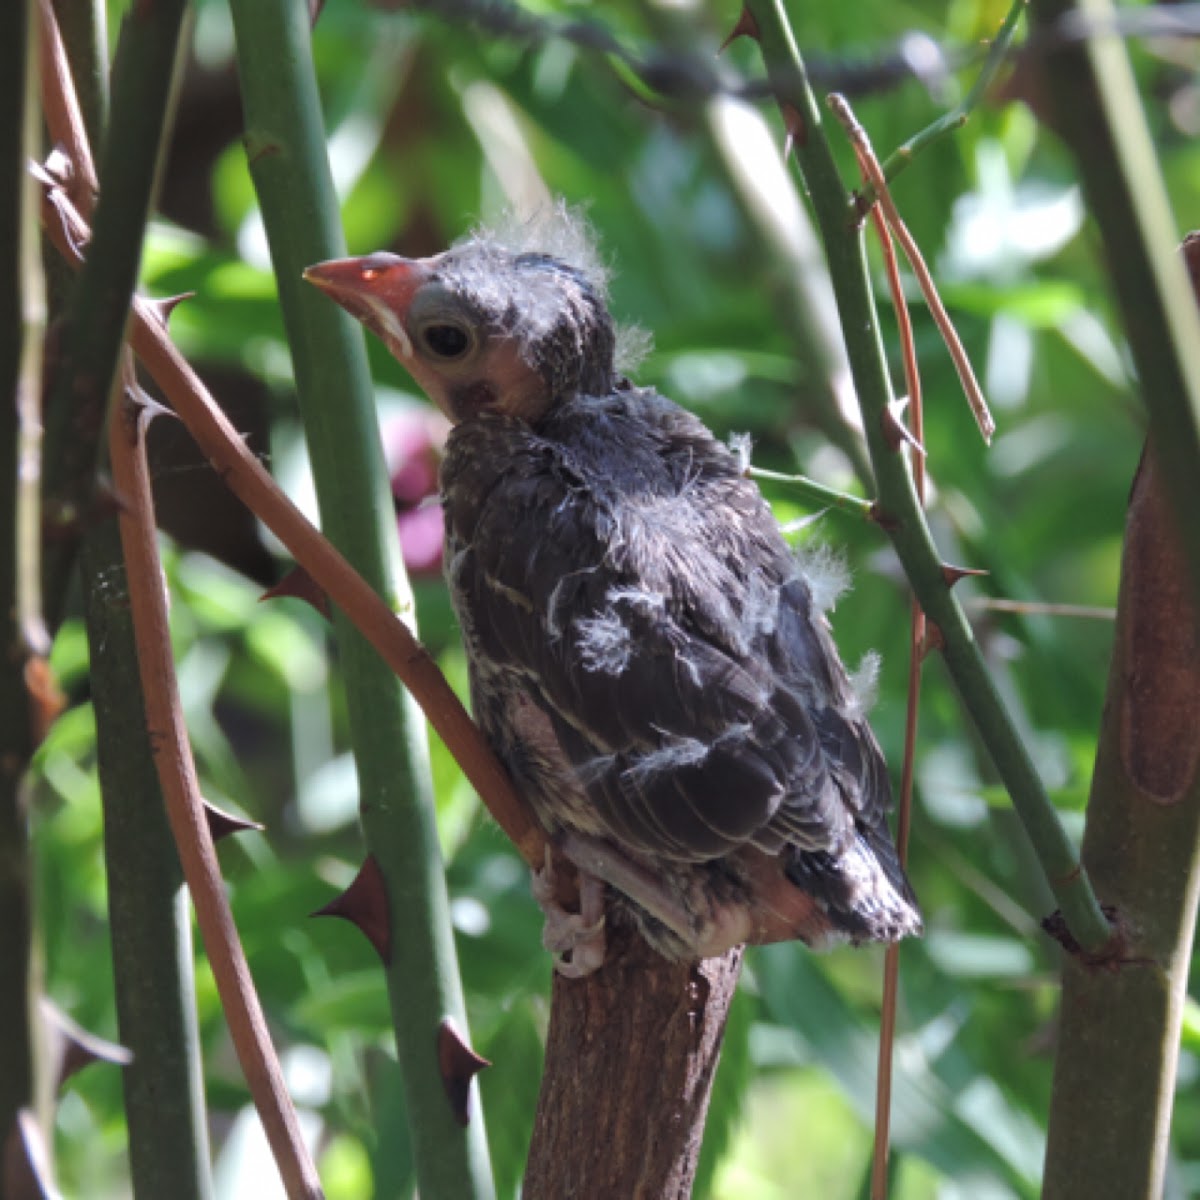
x,y
377,290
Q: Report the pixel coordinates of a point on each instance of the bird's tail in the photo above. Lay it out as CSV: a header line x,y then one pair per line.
x,y
863,890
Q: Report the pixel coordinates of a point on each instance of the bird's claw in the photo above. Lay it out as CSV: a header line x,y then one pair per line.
x,y
578,948
575,939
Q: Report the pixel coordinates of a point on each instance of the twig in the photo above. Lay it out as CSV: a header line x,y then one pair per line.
x,y
185,809
819,493
64,119
870,167
1037,608
958,116
891,962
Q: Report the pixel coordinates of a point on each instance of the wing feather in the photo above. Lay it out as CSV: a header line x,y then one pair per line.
x,y
619,573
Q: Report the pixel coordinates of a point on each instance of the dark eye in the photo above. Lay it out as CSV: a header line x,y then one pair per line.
x,y
446,341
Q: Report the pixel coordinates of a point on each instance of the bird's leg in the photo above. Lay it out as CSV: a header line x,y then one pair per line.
x,y
575,939
703,926
600,860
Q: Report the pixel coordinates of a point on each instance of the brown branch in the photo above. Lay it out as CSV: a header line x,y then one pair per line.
x,y
64,118
874,174
185,808
247,479
871,170
245,476
645,1036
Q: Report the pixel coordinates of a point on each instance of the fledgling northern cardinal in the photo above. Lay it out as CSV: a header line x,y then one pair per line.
x,y
646,653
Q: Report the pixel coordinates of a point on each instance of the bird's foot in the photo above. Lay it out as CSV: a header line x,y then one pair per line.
x,y
575,939
692,921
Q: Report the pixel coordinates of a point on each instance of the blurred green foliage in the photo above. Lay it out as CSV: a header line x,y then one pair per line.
x,y
435,123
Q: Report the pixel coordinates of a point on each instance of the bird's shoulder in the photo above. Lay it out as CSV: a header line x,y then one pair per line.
x,y
629,436
616,561
667,503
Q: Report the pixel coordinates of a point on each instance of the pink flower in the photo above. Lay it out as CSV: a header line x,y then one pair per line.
x,y
413,447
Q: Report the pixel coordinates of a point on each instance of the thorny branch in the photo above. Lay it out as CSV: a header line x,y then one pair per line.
x,y
247,478
885,219
163,714
909,530
185,808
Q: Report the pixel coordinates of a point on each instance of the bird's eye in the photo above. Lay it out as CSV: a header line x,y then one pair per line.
x,y
446,341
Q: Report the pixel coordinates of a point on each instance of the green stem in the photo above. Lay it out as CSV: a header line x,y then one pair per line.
x,y
285,144
902,514
147,905
958,116
143,73
151,930
1117,1056
785,249
1099,114
23,1078
818,493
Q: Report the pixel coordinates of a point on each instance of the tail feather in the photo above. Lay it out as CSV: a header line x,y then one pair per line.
x,y
863,889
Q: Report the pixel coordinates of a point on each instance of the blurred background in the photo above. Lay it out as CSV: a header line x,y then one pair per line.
x,y
444,115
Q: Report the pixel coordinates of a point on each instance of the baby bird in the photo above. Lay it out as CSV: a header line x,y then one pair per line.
x,y
646,654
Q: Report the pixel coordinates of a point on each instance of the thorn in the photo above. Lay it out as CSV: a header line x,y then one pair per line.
x,y
952,574
933,639
162,309
28,1174
72,1047
46,699
301,585
882,517
895,432
58,168
146,408
797,130
746,26
221,823
459,1064
364,903
57,200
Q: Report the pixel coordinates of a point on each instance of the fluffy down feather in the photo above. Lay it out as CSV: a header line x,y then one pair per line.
x,y
646,655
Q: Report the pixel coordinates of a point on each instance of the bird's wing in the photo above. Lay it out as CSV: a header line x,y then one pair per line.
x,y
690,685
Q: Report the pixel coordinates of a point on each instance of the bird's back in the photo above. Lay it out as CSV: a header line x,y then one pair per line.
x,y
646,656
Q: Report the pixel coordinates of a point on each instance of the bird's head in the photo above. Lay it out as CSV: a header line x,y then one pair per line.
x,y
483,328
